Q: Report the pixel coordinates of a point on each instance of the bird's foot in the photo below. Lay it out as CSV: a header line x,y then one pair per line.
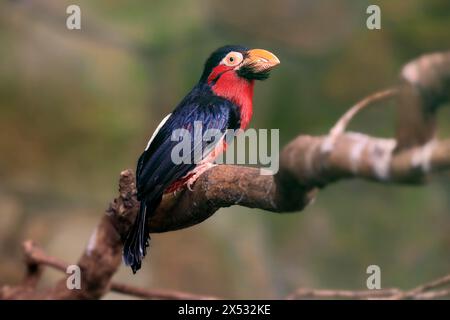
x,y
197,172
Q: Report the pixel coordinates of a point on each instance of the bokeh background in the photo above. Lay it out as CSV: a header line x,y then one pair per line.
x,y
77,107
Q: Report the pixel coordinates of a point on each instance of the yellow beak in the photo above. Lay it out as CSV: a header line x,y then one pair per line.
x,y
261,60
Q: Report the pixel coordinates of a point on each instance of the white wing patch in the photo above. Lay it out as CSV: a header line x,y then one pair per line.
x,y
157,130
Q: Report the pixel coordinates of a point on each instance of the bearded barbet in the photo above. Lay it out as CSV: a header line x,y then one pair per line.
x,y
221,100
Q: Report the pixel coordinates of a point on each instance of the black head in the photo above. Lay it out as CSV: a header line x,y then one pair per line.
x,y
254,64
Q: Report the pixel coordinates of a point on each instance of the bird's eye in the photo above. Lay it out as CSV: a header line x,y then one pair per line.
x,y
233,59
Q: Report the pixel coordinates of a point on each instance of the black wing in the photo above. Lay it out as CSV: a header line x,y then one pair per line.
x,y
156,171
155,168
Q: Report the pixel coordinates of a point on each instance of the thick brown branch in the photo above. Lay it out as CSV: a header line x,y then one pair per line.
x,y
306,163
425,86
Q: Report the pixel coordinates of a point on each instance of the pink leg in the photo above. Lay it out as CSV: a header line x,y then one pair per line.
x,y
197,172
205,164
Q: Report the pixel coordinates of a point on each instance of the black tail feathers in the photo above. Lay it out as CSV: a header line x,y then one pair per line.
x,y
137,241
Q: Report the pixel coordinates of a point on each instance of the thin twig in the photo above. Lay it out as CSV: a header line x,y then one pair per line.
x,y
423,290
305,293
157,293
35,254
342,124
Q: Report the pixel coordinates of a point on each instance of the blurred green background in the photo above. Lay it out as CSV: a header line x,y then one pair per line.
x,y
77,107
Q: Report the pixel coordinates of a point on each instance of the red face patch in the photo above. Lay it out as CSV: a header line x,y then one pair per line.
x,y
230,86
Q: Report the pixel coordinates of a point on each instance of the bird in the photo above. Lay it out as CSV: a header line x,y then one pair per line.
x,y
221,100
